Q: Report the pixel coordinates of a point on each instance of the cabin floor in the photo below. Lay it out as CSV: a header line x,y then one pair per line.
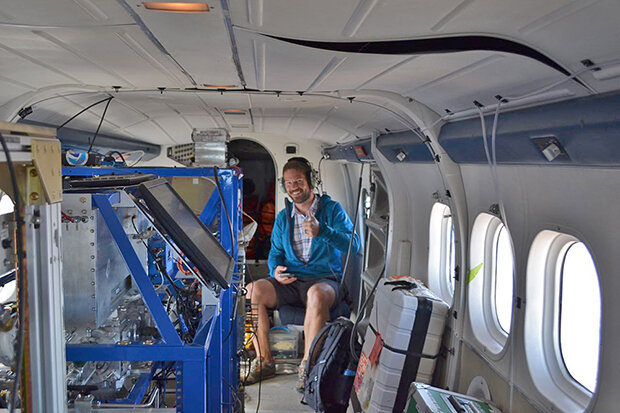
x,y
277,395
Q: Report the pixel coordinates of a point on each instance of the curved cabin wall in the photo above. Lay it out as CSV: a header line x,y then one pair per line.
x,y
576,193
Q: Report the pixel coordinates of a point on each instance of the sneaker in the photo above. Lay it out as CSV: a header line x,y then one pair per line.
x,y
260,370
302,375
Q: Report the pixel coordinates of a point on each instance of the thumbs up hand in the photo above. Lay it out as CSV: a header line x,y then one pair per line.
x,y
311,225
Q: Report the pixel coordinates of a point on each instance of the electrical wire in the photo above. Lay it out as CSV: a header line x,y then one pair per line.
x,y
492,161
321,174
232,239
361,312
100,123
80,112
20,271
230,227
253,333
119,154
233,392
181,304
357,209
137,160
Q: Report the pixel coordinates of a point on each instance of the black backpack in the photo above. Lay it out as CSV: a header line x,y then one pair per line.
x,y
330,368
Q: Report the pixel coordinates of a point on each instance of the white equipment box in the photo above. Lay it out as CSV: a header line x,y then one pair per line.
x,y
426,399
401,346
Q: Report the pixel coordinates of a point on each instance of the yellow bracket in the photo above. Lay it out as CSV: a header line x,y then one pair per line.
x,y
46,156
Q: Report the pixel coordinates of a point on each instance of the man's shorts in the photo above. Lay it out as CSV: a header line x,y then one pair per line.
x,y
296,293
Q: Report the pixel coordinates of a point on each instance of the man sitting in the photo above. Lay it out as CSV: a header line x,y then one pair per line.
x,y
308,240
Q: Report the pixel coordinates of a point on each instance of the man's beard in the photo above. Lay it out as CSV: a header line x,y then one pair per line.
x,y
301,197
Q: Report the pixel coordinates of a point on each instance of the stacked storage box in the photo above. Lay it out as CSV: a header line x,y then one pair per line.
x,y
402,343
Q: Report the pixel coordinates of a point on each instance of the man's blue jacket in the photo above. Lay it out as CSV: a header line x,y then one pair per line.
x,y
327,247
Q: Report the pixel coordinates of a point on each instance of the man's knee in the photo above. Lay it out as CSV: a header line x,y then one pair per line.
x,y
261,292
320,297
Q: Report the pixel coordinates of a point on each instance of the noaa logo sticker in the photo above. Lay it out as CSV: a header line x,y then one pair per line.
x,y
76,158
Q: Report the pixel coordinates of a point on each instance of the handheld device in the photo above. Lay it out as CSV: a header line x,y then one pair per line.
x,y
286,275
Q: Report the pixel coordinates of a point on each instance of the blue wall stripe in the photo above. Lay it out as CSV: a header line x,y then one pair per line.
x,y
587,128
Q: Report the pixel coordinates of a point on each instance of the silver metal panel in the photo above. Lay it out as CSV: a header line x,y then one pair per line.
x,y
46,328
7,236
210,153
95,276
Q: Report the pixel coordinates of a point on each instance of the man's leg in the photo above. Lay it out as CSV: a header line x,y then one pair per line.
x,y
262,295
321,297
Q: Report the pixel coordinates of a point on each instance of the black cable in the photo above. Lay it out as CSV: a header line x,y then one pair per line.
x,y
357,209
162,272
119,154
320,173
82,111
20,271
233,392
181,304
260,366
100,123
230,228
360,312
232,238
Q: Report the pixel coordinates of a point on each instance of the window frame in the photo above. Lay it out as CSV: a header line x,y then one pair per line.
x,y
541,321
484,322
440,246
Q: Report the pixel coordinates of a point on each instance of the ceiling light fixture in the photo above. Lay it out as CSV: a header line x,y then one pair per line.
x,y
176,7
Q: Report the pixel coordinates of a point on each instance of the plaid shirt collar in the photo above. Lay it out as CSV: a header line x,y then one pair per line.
x,y
313,208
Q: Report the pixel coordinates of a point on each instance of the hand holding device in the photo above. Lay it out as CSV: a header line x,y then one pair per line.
x,y
282,276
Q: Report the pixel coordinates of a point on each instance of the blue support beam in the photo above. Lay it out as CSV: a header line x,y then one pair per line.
x,y
207,367
211,210
134,352
151,299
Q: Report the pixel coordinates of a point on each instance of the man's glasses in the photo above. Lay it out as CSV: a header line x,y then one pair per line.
x,y
298,182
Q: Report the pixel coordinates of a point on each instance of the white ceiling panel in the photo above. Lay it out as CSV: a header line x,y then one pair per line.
x,y
11,88
178,129
285,17
203,121
356,71
287,67
105,43
199,42
64,12
150,132
26,65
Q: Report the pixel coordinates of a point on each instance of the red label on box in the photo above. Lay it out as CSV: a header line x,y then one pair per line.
x,y
376,350
361,369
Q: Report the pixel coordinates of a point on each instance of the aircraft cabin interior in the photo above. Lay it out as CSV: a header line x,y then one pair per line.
x,y
472,146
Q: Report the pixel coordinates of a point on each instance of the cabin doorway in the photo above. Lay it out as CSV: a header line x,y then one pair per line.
x,y
259,181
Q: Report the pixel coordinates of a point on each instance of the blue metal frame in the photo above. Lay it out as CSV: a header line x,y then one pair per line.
x,y
213,355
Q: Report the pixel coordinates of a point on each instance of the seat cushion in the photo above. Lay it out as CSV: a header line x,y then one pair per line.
x,y
295,315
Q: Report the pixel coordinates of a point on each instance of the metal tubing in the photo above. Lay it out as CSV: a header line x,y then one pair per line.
x,y
151,299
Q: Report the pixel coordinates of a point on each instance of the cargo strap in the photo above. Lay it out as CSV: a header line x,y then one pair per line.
x,y
416,345
405,352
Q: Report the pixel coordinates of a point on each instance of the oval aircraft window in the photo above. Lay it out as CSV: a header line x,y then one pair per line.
x,y
503,269
490,283
442,252
562,320
579,329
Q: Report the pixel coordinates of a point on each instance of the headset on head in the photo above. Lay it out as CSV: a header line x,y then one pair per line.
x,y
312,175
